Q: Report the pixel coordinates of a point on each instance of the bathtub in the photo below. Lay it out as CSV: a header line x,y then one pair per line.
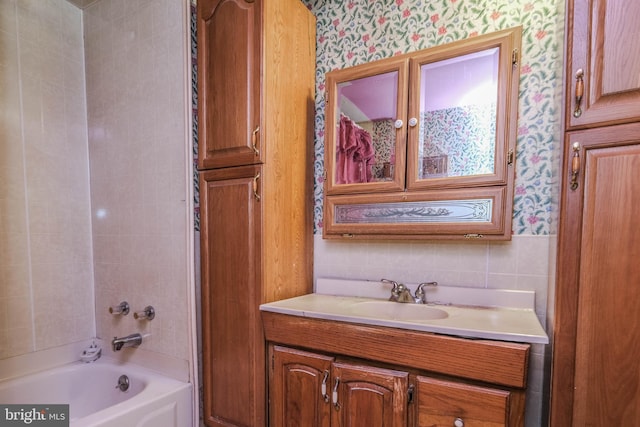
x,y
90,389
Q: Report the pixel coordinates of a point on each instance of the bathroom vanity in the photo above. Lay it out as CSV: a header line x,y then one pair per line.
x,y
332,362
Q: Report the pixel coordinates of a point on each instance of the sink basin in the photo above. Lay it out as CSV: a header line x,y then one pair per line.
x,y
397,311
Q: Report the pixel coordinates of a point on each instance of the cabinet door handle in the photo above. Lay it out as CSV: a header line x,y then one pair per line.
x,y
254,141
577,112
334,395
255,186
458,422
325,396
575,166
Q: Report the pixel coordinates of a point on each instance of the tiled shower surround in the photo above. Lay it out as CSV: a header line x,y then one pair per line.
x,y
46,280
93,184
136,112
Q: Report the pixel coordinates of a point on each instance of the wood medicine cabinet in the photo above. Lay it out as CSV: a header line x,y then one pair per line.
x,y
422,145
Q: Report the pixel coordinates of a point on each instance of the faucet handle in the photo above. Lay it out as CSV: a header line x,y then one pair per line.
x,y
396,287
148,313
122,308
420,295
399,292
391,282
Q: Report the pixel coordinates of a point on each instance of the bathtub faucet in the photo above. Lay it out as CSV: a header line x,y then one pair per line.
x,y
132,340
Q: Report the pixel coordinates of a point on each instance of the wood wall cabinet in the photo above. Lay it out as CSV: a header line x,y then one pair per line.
x,y
422,145
230,38
595,378
256,74
376,376
603,63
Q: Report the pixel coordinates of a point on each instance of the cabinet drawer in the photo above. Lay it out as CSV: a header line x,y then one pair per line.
x,y
441,403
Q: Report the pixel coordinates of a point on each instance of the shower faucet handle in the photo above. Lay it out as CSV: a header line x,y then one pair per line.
x,y
122,308
148,313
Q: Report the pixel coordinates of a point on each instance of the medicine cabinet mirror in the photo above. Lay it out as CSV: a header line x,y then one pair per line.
x,y
421,145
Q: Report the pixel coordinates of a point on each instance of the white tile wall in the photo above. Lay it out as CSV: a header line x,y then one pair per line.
x,y
46,284
135,57
136,208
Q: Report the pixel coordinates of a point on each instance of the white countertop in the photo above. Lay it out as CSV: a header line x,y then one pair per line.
x,y
498,314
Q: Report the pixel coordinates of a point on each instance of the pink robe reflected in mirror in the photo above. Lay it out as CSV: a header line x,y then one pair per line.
x,y
355,153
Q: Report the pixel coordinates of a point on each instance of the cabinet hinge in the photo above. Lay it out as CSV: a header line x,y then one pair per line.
x,y
273,362
410,393
515,57
510,157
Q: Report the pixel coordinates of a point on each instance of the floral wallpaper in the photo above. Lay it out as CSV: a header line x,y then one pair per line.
x,y
194,113
384,135
352,32
465,134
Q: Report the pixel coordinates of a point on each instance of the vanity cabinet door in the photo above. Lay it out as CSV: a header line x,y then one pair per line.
x,y
603,63
441,403
228,82
368,396
299,388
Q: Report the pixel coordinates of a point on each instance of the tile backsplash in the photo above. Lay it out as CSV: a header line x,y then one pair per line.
x,y
527,262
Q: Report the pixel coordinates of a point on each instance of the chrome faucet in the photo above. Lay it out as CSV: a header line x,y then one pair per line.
x,y
421,297
399,292
132,340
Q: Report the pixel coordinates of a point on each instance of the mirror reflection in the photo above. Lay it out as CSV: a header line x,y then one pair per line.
x,y
366,134
458,101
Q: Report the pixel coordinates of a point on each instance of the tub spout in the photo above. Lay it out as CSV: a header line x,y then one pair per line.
x,y
132,340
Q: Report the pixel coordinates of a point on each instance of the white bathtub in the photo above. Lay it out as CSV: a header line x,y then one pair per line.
x,y
90,390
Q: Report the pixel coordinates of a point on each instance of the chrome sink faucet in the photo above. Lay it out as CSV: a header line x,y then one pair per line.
x,y
421,297
132,340
399,292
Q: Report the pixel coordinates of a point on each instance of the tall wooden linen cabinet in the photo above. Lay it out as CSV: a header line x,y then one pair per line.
x,y
256,74
595,373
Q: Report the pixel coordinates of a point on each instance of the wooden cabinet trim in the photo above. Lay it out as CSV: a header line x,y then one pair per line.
x,y
494,362
498,228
